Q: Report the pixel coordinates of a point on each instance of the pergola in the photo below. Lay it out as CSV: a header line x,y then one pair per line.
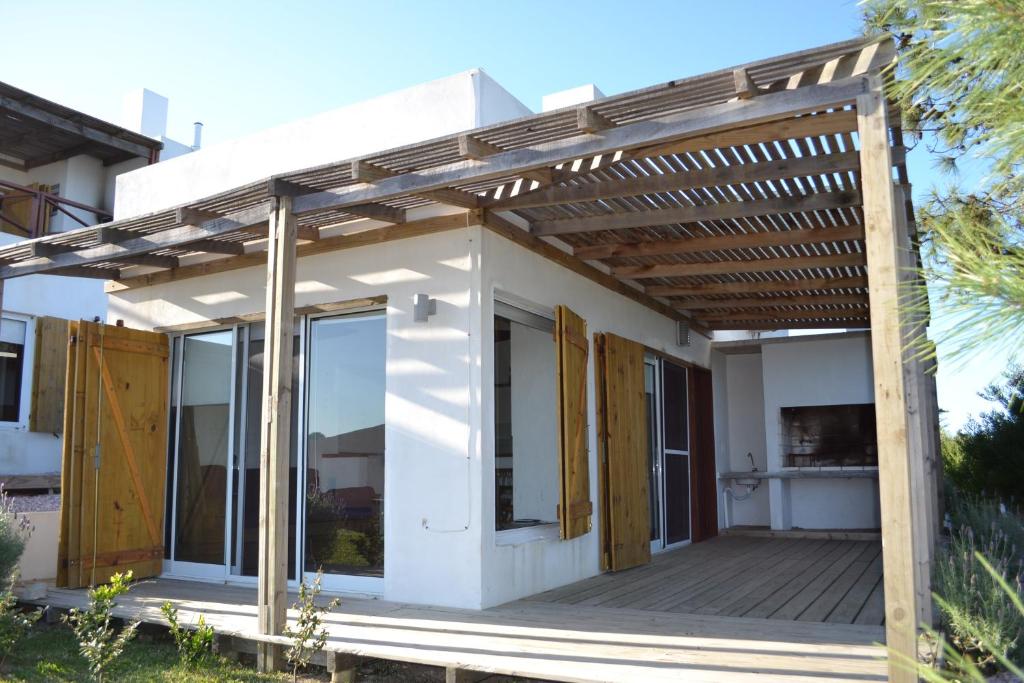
x,y
757,197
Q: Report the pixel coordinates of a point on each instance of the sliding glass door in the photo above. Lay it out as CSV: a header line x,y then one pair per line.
x,y
345,449
336,458
203,429
668,417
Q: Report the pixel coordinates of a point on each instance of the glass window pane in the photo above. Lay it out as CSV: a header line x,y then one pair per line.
x,y
12,360
526,425
677,498
247,481
652,450
203,448
345,446
675,406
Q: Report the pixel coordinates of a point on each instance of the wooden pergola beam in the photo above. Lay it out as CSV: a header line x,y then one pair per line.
x,y
694,245
151,260
682,180
739,266
440,179
895,484
676,127
843,314
695,304
79,128
365,172
471,147
745,86
760,286
589,121
694,214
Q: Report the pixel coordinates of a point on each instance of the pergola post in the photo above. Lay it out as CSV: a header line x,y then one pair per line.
x,y
882,247
275,440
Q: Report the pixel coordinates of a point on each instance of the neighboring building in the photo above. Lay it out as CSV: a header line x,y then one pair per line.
x,y
57,173
453,353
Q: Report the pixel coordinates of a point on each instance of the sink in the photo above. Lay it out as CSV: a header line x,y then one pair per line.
x,y
747,481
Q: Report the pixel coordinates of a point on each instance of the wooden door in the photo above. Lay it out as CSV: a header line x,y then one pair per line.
x,y
702,454
115,454
622,435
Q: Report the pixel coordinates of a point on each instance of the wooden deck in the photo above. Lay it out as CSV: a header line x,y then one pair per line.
x,y
614,628
797,579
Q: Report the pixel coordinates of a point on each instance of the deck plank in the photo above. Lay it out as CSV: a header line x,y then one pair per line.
x,y
548,641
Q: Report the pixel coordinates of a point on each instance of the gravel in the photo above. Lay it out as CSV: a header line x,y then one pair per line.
x,y
43,503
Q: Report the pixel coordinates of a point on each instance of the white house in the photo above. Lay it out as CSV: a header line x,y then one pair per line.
x,y
57,173
454,353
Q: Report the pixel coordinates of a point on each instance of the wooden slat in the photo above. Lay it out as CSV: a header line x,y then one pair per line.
x,y
832,314
510,231
739,266
771,302
694,123
681,180
695,214
759,286
624,449
692,245
575,508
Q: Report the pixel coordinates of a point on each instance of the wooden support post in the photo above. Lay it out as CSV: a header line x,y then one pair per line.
x,y
341,666
454,674
275,439
887,348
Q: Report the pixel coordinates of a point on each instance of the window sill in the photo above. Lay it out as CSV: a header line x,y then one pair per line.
x,y
13,426
529,534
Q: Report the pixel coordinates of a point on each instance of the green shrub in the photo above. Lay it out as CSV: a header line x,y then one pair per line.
x,y
194,645
15,623
14,532
979,616
98,640
986,457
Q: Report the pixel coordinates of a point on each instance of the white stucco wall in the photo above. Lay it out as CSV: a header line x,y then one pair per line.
x,y
744,391
751,387
21,451
441,107
514,570
821,371
432,513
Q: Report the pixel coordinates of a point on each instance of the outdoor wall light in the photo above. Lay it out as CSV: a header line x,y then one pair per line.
x,y
423,307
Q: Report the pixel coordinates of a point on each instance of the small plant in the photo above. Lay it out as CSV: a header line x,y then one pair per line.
x,y
15,529
194,645
98,641
14,623
309,636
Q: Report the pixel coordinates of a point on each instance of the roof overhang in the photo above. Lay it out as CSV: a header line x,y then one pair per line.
x,y
731,198
35,132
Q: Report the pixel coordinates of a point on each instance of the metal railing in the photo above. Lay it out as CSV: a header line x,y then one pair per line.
x,y
41,204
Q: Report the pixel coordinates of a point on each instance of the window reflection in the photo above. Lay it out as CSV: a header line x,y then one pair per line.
x,y
345,446
203,448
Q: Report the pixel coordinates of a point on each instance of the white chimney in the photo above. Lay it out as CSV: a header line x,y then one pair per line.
x,y
144,111
197,135
567,98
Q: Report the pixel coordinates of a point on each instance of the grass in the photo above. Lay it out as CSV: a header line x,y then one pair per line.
x,y
50,653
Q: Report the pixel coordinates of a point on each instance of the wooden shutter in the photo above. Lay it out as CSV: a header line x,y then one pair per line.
x,y
574,508
702,456
48,369
115,454
622,439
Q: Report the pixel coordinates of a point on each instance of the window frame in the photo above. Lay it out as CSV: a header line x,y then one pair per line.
x,y
27,366
516,309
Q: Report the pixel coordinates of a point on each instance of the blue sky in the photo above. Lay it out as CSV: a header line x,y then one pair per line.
x,y
240,67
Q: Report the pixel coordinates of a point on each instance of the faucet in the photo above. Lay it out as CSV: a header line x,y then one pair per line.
x,y
753,467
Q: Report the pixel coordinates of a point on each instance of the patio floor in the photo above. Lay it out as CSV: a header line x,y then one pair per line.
x,y
610,628
797,579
